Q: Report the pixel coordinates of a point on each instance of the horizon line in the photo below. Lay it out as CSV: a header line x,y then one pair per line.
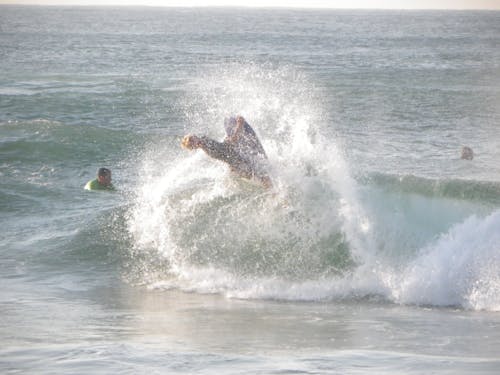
x,y
241,6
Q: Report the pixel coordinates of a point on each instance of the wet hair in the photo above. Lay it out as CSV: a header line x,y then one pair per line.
x,y
103,172
467,153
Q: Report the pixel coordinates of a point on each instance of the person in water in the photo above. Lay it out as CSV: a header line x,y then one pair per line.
x,y
240,149
467,153
102,182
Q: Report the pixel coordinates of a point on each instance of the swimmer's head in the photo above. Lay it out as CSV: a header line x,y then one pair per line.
x,y
104,176
103,172
467,153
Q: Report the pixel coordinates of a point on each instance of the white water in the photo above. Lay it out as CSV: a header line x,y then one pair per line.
x,y
219,234
461,268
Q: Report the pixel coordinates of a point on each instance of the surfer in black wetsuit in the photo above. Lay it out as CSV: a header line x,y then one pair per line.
x,y
241,149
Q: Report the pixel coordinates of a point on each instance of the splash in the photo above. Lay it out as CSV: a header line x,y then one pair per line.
x,y
459,269
317,235
223,234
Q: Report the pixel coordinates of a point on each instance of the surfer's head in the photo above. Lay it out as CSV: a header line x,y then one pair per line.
x,y
467,153
104,176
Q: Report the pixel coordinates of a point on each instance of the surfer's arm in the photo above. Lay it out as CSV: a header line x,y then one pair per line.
x,y
218,150
225,151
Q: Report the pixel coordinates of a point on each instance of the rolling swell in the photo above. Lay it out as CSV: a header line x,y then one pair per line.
x,y
236,228
487,192
230,233
53,142
460,268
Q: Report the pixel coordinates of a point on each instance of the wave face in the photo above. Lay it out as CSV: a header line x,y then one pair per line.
x,y
320,234
459,269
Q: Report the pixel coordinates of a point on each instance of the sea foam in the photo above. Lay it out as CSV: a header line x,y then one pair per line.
x,y
458,269
311,238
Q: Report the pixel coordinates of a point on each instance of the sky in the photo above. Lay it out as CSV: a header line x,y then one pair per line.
x,y
341,4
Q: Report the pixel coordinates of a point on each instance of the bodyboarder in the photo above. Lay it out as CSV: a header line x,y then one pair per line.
x,y
240,149
102,182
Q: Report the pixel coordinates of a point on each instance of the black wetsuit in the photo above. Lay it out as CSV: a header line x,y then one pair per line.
x,y
246,156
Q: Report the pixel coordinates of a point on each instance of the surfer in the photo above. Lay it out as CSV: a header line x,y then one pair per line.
x,y
240,149
467,153
102,182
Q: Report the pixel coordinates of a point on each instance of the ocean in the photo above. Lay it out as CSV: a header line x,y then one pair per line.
x,y
376,251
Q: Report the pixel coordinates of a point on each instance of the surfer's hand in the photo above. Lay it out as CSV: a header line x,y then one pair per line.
x,y
191,142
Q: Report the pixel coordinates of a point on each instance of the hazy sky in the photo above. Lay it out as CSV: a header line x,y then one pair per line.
x,y
374,4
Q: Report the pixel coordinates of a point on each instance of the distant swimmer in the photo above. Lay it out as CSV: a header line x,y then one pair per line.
x,y
467,153
102,182
241,149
